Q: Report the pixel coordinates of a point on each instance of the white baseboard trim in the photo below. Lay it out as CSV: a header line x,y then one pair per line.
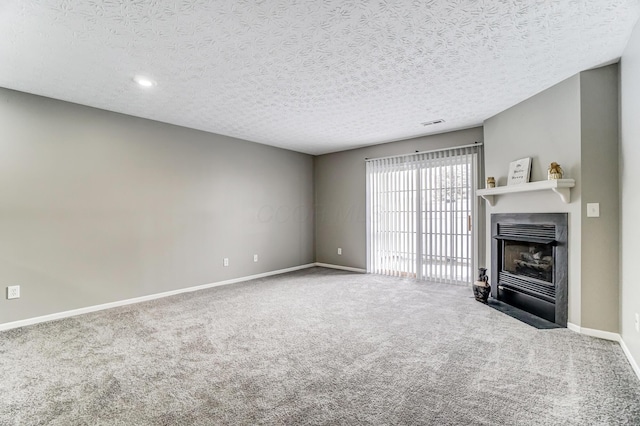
x,y
606,335
573,327
632,361
88,309
343,268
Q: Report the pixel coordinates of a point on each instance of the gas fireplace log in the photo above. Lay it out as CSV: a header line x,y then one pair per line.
x,y
539,266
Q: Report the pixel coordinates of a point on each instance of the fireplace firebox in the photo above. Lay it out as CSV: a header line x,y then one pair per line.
x,y
530,263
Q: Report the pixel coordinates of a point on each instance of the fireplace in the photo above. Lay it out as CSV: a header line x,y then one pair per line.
x,y
529,263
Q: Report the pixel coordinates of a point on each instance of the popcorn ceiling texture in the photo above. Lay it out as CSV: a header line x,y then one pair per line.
x,y
308,75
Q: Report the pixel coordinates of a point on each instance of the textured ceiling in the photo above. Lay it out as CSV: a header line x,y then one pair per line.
x,y
314,76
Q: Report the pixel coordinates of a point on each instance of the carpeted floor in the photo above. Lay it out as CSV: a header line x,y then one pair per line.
x,y
312,347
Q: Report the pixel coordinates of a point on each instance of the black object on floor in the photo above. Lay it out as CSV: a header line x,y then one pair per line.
x,y
519,314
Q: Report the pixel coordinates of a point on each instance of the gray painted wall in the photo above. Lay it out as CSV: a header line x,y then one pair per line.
x,y
340,194
99,207
545,127
575,124
599,163
629,193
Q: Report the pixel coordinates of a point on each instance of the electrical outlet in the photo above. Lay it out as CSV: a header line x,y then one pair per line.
x,y
255,257
225,261
13,292
637,322
339,251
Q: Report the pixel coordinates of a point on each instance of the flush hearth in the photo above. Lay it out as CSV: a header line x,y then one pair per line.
x,y
530,262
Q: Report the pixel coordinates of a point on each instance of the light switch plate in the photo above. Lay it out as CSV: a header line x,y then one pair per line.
x,y
593,209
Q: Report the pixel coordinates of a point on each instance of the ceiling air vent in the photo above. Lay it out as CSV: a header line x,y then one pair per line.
x,y
430,123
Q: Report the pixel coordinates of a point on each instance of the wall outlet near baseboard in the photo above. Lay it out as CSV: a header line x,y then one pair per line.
x,y
339,251
225,261
13,292
255,257
637,322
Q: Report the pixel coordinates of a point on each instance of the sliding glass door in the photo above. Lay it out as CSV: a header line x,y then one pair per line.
x,y
420,214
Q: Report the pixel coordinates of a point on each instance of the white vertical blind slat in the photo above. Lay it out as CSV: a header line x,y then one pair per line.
x,y
446,261
417,175
392,219
441,212
405,231
368,213
385,251
396,225
451,198
471,185
428,219
449,230
375,213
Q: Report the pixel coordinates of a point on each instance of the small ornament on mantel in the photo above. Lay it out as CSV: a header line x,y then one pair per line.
x,y
555,171
491,182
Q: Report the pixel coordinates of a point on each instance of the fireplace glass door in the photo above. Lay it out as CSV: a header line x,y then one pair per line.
x,y
530,260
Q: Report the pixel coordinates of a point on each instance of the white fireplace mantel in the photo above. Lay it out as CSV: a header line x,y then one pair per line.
x,y
562,187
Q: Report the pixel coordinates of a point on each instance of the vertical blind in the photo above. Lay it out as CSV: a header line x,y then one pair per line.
x,y
420,213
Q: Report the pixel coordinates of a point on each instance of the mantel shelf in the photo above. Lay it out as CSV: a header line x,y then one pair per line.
x,y
562,187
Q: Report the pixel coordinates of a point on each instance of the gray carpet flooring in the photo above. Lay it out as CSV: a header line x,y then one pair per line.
x,y
316,346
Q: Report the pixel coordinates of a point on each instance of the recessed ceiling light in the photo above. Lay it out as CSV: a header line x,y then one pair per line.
x,y
144,81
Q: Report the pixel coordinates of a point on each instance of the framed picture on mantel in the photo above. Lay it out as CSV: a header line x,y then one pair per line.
x,y
519,171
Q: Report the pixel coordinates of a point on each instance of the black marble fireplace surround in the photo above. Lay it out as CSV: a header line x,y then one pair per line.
x,y
529,263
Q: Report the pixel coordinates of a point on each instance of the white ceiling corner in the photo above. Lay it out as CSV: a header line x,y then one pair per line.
x,y
308,75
